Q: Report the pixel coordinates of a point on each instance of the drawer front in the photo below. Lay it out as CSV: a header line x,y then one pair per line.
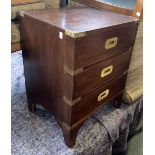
x,y
100,46
101,73
90,102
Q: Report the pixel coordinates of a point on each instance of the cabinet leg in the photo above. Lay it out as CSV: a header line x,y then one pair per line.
x,y
70,133
117,101
32,106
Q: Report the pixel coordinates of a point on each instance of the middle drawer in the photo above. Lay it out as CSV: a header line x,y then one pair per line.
x,y
101,73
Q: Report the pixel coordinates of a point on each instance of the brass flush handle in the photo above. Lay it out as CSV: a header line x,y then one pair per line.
x,y
103,95
111,43
106,71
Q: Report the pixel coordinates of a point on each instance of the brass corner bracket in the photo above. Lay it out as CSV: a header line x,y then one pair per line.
x,y
74,34
71,72
71,102
21,13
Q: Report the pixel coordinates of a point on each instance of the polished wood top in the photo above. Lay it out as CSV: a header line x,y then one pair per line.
x,y
80,19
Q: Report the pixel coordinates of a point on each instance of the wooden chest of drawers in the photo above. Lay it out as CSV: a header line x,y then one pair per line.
x,y
75,59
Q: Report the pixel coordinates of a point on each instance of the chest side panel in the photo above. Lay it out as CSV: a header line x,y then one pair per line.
x,y
43,63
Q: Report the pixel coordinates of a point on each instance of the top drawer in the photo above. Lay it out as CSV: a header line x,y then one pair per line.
x,y
99,46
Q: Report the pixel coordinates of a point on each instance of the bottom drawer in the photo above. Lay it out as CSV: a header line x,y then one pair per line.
x,y
102,94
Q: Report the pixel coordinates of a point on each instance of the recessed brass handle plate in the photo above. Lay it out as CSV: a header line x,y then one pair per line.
x,y
111,43
106,71
103,95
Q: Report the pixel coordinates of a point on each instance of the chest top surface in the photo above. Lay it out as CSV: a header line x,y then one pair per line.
x,y
79,19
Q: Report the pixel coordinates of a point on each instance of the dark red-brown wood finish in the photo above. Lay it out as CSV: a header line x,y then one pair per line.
x,y
90,77
75,59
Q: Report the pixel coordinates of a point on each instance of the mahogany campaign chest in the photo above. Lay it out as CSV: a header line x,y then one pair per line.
x,y
75,59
